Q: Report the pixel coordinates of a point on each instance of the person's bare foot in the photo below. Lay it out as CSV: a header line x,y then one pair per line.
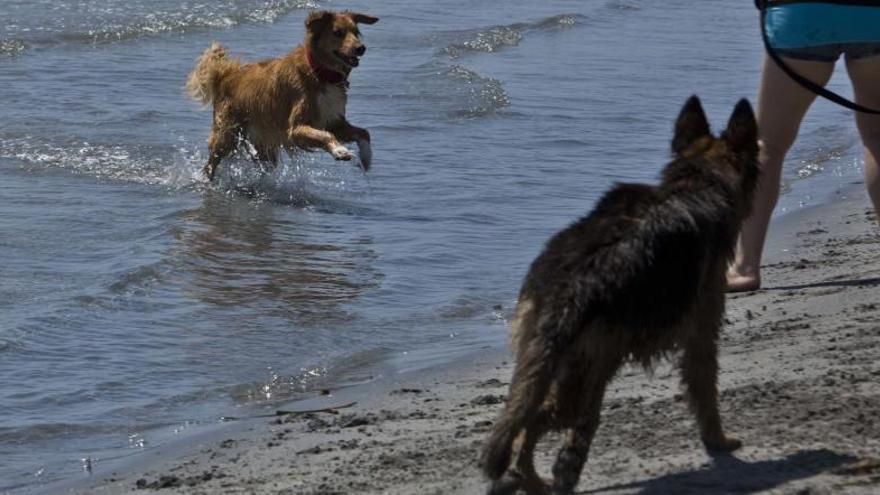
x,y
739,282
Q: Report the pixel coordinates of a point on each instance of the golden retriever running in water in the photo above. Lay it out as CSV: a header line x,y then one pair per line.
x,y
297,101
641,276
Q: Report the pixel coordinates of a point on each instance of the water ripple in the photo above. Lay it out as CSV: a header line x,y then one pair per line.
x,y
496,38
102,21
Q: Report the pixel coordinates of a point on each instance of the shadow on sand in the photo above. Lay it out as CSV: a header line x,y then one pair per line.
x,y
859,282
727,474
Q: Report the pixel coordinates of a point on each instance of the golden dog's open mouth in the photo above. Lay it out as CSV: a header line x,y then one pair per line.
x,y
349,60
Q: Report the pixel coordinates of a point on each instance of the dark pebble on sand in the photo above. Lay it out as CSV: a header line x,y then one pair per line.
x,y
314,450
487,400
173,481
492,382
407,391
353,420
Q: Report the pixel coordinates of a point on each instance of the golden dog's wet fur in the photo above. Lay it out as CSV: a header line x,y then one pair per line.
x,y
285,103
640,277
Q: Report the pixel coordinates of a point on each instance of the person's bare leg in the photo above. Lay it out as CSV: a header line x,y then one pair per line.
x,y
782,104
865,76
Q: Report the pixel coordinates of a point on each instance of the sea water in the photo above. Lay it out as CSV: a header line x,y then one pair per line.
x,y
136,299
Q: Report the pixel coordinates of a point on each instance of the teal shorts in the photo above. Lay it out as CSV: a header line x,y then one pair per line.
x,y
824,31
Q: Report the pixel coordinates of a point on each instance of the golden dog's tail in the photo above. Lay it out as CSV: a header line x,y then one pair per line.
x,y
210,68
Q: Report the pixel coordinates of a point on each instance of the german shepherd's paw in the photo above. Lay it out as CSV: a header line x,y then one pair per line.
x,y
723,445
341,153
513,482
508,484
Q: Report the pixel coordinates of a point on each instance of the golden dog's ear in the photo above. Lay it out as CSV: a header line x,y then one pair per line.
x,y
690,126
318,19
363,18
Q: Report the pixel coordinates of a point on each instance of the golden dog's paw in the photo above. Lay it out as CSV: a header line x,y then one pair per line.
x,y
366,152
341,153
722,445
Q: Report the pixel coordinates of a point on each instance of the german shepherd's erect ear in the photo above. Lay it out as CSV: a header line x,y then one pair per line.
x,y
742,129
363,18
690,126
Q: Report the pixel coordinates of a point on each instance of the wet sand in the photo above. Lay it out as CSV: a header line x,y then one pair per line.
x,y
799,385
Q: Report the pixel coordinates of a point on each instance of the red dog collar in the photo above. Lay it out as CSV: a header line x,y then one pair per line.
x,y
323,73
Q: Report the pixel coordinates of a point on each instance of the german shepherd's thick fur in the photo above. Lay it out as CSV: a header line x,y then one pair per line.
x,y
296,101
640,277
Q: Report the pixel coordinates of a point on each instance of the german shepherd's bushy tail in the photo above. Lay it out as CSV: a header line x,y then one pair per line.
x,y
535,368
210,69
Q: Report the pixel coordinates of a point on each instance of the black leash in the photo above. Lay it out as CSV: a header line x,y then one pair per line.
x,y
803,81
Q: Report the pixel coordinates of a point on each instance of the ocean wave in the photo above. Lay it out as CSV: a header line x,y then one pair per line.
x,y
820,159
12,337
11,47
51,431
619,5
46,25
831,144
139,279
141,164
480,308
350,369
482,95
301,180
305,180
459,92
280,388
496,38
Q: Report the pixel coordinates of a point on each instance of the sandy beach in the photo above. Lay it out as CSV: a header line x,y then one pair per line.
x,y
799,386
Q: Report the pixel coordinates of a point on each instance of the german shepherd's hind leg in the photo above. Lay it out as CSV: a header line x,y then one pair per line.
x,y
699,374
528,389
573,455
524,476
525,460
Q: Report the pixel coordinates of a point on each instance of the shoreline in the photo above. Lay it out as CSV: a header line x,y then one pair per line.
x,y
399,377
798,384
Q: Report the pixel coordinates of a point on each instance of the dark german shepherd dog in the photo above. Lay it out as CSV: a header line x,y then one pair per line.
x,y
640,277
